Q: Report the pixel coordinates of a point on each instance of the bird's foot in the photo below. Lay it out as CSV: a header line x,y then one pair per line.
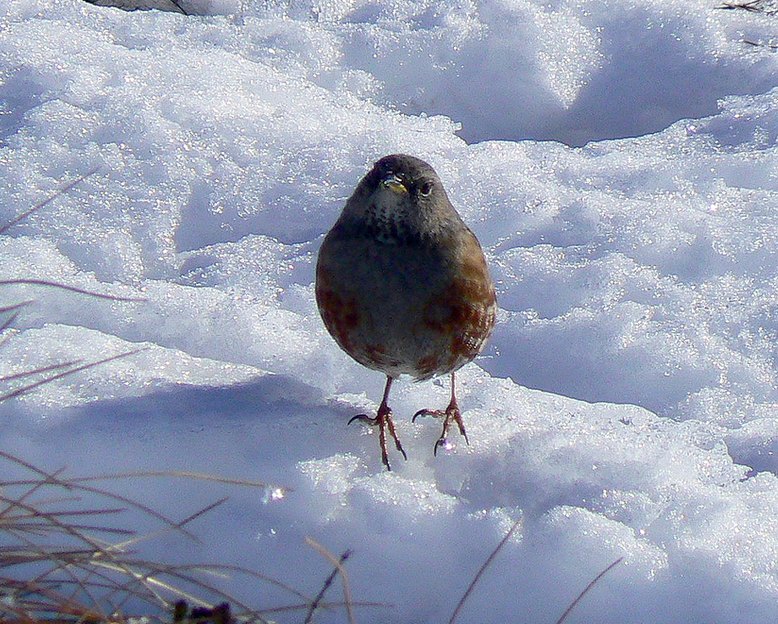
x,y
450,414
383,420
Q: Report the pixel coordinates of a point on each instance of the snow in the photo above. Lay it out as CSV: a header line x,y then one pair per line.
x,y
618,162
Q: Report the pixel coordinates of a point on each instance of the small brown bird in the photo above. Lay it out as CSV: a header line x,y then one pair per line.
x,y
402,285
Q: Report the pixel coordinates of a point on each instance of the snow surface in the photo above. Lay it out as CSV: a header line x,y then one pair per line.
x,y
627,405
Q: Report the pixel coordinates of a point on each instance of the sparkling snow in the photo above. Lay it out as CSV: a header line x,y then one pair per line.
x,y
627,405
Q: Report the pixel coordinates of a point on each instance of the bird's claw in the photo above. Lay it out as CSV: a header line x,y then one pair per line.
x,y
441,442
383,420
451,413
364,418
428,412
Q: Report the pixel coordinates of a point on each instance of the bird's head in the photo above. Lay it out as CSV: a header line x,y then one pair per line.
x,y
401,200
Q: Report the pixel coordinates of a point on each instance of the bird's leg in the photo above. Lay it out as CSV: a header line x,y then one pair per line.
x,y
383,420
451,413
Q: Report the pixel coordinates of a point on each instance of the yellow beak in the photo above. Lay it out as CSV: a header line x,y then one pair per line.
x,y
395,184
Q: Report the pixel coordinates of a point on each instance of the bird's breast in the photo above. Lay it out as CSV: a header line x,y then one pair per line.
x,y
417,310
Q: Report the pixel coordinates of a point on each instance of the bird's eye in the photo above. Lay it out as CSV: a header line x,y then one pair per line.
x,y
425,189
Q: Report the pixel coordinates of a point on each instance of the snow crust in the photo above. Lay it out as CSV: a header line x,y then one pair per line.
x,y
627,403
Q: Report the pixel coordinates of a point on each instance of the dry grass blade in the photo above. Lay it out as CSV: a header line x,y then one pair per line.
x,y
747,6
42,369
38,526
338,568
8,322
152,575
178,6
77,484
593,582
224,568
338,563
766,7
14,309
326,605
57,559
483,569
74,575
47,601
24,389
186,474
177,526
73,484
14,306
71,568
56,525
61,191
32,487
758,44
75,289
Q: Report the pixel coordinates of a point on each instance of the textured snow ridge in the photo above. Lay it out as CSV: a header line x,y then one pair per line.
x,y
627,404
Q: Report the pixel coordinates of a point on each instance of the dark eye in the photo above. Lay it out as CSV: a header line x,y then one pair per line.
x,y
425,189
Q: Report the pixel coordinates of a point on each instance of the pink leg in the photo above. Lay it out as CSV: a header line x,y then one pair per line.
x,y
451,413
383,420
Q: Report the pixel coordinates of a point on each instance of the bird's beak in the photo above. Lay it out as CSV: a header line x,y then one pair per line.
x,y
394,183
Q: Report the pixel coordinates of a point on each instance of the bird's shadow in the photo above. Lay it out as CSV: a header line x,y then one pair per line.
x,y
266,397
275,420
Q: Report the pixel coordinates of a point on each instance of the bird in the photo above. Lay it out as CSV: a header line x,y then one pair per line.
x,y
403,286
